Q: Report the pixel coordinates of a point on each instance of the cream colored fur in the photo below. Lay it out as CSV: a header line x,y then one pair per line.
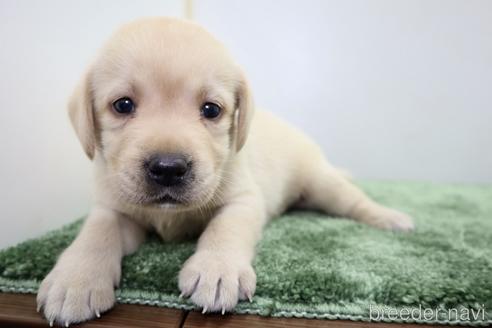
x,y
249,168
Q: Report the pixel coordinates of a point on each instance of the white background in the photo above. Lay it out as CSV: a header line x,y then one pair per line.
x,y
390,89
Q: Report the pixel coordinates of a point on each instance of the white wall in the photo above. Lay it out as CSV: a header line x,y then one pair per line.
x,y
393,89
390,89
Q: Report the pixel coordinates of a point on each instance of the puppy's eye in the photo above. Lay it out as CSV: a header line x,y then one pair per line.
x,y
210,110
124,106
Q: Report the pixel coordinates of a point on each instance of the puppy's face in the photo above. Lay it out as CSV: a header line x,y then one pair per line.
x,y
163,109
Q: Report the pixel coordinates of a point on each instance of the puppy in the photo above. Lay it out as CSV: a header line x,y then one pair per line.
x,y
167,117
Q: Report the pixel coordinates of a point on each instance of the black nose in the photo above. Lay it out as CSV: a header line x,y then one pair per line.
x,y
167,170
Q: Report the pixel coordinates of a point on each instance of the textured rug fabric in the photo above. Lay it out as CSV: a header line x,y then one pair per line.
x,y
310,265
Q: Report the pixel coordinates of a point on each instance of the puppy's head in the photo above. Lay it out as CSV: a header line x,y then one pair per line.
x,y
162,109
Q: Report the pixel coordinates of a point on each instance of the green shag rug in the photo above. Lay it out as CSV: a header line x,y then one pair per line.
x,y
310,265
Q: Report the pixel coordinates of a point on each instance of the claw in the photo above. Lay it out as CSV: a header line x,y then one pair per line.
x,y
38,308
67,324
51,322
204,310
250,298
181,295
223,310
98,314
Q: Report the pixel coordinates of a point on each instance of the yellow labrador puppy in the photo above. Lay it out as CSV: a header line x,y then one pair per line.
x,y
167,117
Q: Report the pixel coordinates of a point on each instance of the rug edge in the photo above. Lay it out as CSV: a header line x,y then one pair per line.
x,y
31,287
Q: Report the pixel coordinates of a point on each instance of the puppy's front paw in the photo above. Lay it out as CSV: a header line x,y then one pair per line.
x,y
75,292
215,281
390,219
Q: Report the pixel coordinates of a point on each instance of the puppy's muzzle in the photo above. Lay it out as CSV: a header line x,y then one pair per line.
x,y
168,170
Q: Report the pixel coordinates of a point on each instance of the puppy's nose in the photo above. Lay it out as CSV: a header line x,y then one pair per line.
x,y
167,170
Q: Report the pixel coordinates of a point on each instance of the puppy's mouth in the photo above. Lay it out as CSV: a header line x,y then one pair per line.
x,y
167,200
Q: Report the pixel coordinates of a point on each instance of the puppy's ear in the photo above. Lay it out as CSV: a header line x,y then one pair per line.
x,y
81,113
245,111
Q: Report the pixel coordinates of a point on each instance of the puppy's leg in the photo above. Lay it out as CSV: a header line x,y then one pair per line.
x,y
327,189
220,271
81,285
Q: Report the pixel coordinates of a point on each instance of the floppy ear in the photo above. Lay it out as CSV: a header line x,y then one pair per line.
x,y
244,112
81,113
